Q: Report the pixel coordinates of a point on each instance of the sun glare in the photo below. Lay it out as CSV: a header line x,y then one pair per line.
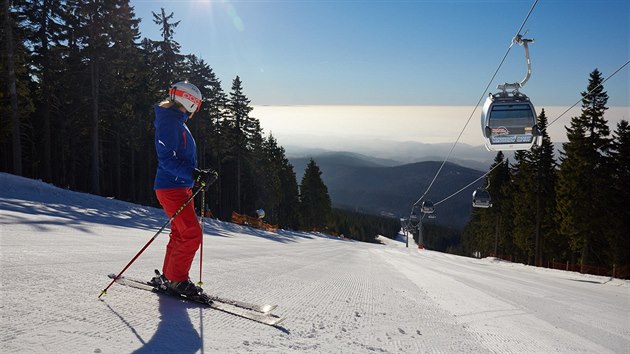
x,y
209,7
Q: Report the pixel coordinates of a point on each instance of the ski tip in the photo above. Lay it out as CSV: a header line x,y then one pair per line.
x,y
268,308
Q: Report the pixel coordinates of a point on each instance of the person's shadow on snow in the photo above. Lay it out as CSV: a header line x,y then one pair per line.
x,y
175,332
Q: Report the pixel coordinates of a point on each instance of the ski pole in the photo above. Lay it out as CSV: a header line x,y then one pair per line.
x,y
203,213
104,291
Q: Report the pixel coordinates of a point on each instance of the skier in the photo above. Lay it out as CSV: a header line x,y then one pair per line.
x,y
177,173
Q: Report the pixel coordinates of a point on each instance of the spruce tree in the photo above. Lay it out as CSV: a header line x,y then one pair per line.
x,y
534,180
485,231
45,30
71,85
289,207
472,234
545,174
278,191
167,59
315,203
11,63
96,37
269,179
122,96
499,216
618,232
524,192
239,134
581,209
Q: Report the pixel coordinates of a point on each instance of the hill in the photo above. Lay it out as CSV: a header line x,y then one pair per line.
x,y
359,183
398,152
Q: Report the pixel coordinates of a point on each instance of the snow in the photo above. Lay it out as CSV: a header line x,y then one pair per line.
x,y
339,296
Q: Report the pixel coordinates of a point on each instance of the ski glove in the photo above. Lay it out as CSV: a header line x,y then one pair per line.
x,y
204,178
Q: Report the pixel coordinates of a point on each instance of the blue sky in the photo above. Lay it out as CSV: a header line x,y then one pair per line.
x,y
440,52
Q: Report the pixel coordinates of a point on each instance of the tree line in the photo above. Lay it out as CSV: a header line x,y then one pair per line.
x,y
77,112
574,209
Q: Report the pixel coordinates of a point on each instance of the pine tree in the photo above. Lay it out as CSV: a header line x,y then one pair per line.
x,y
167,59
618,232
472,235
534,180
43,20
500,214
101,57
238,133
581,178
11,69
269,179
71,86
486,230
315,203
289,207
216,103
278,191
124,100
545,170
96,37
525,193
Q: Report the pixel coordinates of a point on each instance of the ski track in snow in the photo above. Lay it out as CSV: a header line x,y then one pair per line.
x,y
339,296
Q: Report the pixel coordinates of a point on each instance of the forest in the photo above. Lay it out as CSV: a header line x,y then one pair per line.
x,y
77,112
79,86
569,210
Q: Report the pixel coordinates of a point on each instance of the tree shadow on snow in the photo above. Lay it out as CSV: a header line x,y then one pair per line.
x,y
80,215
175,332
56,206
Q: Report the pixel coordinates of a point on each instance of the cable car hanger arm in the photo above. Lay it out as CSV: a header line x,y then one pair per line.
x,y
517,85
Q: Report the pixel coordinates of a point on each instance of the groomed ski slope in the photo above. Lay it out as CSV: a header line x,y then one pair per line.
x,y
57,247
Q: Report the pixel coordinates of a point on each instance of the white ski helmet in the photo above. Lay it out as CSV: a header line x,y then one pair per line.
x,y
187,94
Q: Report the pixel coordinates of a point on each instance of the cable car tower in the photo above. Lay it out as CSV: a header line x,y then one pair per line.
x,y
508,119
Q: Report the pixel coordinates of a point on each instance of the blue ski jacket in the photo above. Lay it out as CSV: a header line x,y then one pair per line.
x,y
176,149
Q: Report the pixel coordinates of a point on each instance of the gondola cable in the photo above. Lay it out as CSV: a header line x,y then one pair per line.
x,y
477,105
560,116
471,183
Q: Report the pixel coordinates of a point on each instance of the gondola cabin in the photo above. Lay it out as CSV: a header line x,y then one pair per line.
x,y
481,198
427,207
508,122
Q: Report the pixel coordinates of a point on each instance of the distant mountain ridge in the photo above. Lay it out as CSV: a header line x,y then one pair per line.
x,y
397,152
377,186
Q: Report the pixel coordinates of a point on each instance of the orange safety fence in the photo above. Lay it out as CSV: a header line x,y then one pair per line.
x,y
252,221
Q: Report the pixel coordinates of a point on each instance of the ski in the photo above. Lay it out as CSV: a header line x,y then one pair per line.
x,y
265,318
265,308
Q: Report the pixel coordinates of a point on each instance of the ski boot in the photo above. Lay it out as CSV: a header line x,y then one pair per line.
x,y
159,281
186,288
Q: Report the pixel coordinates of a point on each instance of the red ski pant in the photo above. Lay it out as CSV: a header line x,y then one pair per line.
x,y
185,236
